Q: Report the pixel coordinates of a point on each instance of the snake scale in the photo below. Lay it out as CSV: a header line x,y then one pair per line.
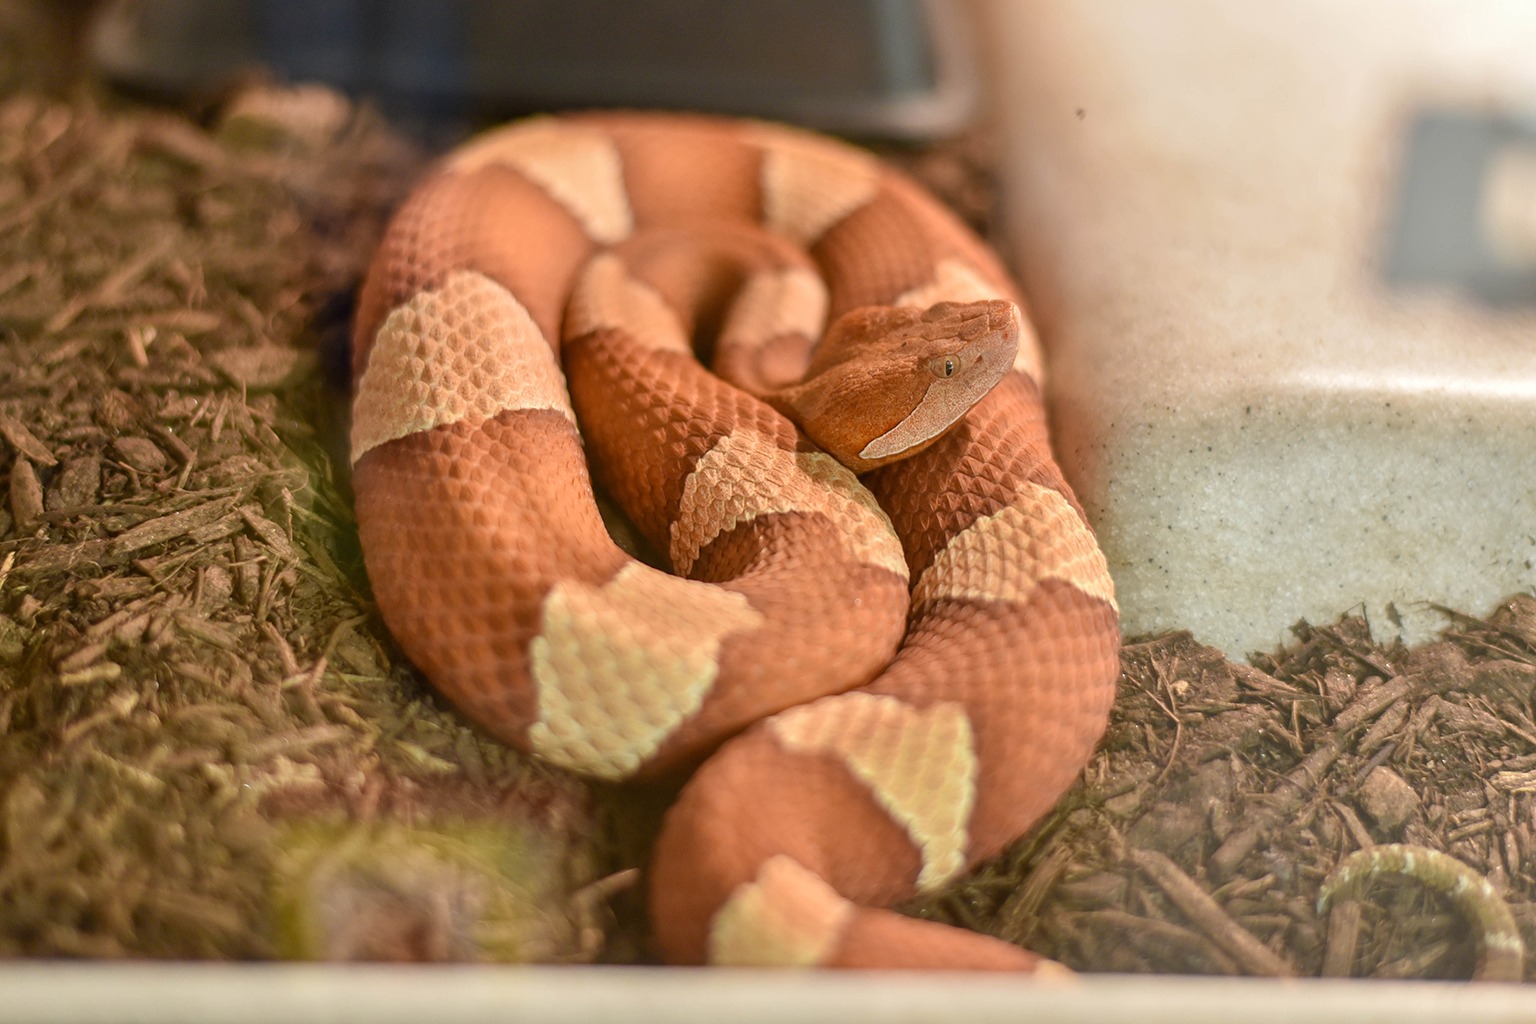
x,y
880,678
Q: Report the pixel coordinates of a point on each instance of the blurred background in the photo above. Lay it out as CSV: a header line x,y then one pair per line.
x,y
894,68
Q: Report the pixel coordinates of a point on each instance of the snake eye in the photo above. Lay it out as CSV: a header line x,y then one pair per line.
x,y
944,366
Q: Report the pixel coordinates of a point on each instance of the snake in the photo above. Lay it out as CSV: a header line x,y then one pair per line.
x,y
866,619
1501,947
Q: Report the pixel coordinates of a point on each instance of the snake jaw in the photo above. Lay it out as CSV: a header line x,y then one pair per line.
x,y
887,382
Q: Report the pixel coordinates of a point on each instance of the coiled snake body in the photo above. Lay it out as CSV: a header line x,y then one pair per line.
x,y
905,675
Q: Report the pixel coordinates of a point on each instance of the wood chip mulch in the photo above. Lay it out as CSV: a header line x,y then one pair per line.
x,y
208,746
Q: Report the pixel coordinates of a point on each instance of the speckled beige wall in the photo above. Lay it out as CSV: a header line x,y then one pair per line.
x,y
1260,430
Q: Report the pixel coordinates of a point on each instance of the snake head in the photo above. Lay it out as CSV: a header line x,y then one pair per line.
x,y
888,381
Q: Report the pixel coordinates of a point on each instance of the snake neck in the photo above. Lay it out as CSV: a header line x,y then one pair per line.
x,y
882,384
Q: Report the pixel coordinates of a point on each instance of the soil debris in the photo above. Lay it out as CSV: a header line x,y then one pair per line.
x,y
198,703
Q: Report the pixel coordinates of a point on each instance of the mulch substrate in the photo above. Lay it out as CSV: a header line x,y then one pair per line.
x,y
209,748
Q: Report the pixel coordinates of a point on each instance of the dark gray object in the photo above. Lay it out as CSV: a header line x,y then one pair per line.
x,y
895,68
1452,194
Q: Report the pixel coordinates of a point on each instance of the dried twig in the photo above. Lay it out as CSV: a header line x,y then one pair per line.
x,y
1196,904
114,284
25,442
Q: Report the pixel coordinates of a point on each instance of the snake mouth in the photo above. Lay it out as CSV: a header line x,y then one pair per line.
x,y
987,357
996,362
1007,323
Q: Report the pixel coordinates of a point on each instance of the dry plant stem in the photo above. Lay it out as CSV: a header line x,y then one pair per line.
x,y
25,442
1236,941
1166,933
1306,776
113,285
1501,950
1343,939
1023,905
26,494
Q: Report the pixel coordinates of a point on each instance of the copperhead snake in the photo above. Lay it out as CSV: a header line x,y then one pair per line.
x,y
887,678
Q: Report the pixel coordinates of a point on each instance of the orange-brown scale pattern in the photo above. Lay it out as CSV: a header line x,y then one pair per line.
x,y
493,569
